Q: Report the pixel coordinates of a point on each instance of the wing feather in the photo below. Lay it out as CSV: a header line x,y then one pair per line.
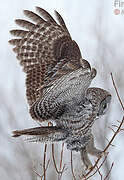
x,y
19,33
45,50
61,21
36,18
45,14
15,42
26,24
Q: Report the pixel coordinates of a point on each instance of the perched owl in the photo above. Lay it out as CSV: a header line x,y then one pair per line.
x,y
57,84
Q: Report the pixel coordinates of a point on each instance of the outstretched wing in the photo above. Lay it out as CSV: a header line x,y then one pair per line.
x,y
45,50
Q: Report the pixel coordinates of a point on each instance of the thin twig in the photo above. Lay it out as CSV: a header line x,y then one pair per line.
x,y
117,92
47,164
118,121
54,161
99,171
37,174
46,167
62,172
122,129
108,141
95,166
112,129
109,172
61,157
105,158
72,170
116,132
92,169
114,125
44,161
41,176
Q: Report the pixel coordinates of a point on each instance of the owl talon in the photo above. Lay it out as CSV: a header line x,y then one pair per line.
x,y
105,153
89,167
100,154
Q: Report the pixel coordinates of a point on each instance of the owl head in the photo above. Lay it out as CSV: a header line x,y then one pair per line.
x,y
85,109
100,100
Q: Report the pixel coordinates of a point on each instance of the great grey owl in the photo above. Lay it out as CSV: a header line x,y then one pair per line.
x,y
57,84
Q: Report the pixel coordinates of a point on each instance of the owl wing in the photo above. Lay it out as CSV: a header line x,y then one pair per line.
x,y
45,50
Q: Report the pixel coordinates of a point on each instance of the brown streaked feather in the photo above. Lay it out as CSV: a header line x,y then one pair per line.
x,y
28,48
36,131
18,32
45,14
61,21
15,42
29,66
27,54
26,24
34,80
46,51
15,49
36,18
28,61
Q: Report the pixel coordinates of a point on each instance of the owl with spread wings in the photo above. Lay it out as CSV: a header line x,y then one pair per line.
x,y
57,84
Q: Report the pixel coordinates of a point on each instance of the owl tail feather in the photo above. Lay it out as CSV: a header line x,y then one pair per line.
x,y
44,133
36,131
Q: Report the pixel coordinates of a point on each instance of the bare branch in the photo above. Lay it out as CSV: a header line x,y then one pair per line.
x,y
44,161
54,161
117,92
37,174
109,171
99,172
72,170
113,137
61,157
95,166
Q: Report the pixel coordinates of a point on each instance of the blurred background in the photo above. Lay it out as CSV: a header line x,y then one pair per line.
x,y
98,29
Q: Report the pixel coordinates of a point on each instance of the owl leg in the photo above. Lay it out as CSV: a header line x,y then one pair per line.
x,y
85,159
42,134
92,150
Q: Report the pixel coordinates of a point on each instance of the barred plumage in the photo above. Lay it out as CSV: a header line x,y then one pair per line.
x,y
57,83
